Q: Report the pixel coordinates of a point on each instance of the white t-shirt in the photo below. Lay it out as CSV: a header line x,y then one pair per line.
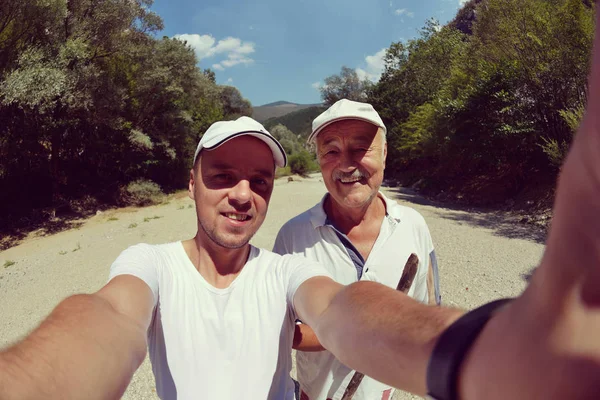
x,y
403,232
209,343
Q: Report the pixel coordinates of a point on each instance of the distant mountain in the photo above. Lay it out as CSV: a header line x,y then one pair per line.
x,y
277,109
299,122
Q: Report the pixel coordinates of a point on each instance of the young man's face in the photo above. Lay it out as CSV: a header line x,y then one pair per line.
x,y
352,155
232,186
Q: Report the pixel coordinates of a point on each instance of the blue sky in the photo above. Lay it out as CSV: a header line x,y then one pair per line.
x,y
281,50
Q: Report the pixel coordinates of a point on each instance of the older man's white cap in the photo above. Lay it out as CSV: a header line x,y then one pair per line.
x,y
346,109
223,131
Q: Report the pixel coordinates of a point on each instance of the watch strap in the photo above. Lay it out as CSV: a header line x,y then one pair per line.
x,y
451,349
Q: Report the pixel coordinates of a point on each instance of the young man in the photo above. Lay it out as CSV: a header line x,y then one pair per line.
x,y
358,235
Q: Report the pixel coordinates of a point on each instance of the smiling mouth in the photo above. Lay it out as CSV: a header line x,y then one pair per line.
x,y
350,180
237,217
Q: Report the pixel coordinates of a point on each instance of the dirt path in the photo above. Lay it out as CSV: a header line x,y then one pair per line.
x,y
482,256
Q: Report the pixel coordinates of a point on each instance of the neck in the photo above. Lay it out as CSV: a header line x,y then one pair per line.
x,y
218,265
346,218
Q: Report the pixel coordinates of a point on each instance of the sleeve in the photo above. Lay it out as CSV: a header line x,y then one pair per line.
x,y
430,257
140,261
425,250
436,277
297,270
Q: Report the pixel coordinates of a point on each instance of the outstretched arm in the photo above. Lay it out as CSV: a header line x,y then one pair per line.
x,y
374,329
89,347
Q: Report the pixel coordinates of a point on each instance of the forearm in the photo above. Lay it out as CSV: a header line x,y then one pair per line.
x,y
305,339
84,349
356,329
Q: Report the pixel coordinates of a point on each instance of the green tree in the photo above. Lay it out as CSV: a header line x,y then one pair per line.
x,y
346,85
234,105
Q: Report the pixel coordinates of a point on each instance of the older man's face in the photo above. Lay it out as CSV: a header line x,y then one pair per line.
x,y
352,156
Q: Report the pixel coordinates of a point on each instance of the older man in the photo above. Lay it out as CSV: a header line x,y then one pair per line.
x,y
359,235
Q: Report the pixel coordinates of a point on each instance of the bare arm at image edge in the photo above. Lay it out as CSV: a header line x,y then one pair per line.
x,y
88,347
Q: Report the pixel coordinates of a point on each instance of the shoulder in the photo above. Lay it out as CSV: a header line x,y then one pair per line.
x,y
149,254
300,221
265,256
406,214
296,233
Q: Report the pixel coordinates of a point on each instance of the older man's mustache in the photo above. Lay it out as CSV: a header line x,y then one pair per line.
x,y
349,176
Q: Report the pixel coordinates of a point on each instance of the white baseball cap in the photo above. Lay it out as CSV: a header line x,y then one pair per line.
x,y
223,131
346,109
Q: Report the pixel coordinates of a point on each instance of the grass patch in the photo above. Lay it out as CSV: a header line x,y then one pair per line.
x,y
134,225
147,219
77,248
180,207
62,252
190,206
113,219
9,263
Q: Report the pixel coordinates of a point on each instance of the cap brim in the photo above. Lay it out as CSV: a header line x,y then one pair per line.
x,y
313,135
278,152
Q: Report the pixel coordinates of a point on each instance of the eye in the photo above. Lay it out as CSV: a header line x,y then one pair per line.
x,y
260,184
361,150
222,177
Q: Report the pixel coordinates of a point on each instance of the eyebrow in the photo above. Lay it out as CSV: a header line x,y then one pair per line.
x,y
360,139
223,166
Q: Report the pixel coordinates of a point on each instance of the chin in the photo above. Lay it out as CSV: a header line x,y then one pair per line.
x,y
232,243
358,199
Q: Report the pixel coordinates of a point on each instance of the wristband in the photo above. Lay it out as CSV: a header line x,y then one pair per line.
x,y
451,349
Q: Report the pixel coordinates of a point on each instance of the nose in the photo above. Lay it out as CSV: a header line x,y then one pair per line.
x,y
241,192
347,162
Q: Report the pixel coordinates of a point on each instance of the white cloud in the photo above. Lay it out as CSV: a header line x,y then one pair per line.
x,y
404,11
202,44
371,69
462,2
230,80
374,66
235,50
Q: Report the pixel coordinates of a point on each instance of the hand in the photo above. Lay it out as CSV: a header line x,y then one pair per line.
x,y
545,345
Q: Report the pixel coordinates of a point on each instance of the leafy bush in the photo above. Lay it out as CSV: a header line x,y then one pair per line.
x,y
302,163
141,193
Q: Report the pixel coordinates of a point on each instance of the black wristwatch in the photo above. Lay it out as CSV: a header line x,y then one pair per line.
x,y
451,349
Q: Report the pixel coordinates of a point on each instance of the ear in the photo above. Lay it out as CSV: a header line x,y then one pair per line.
x,y
384,153
192,185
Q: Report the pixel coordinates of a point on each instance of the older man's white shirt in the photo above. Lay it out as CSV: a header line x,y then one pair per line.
x,y
403,232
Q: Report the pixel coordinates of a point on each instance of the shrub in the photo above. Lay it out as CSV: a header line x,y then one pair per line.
x,y
279,172
141,193
302,163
